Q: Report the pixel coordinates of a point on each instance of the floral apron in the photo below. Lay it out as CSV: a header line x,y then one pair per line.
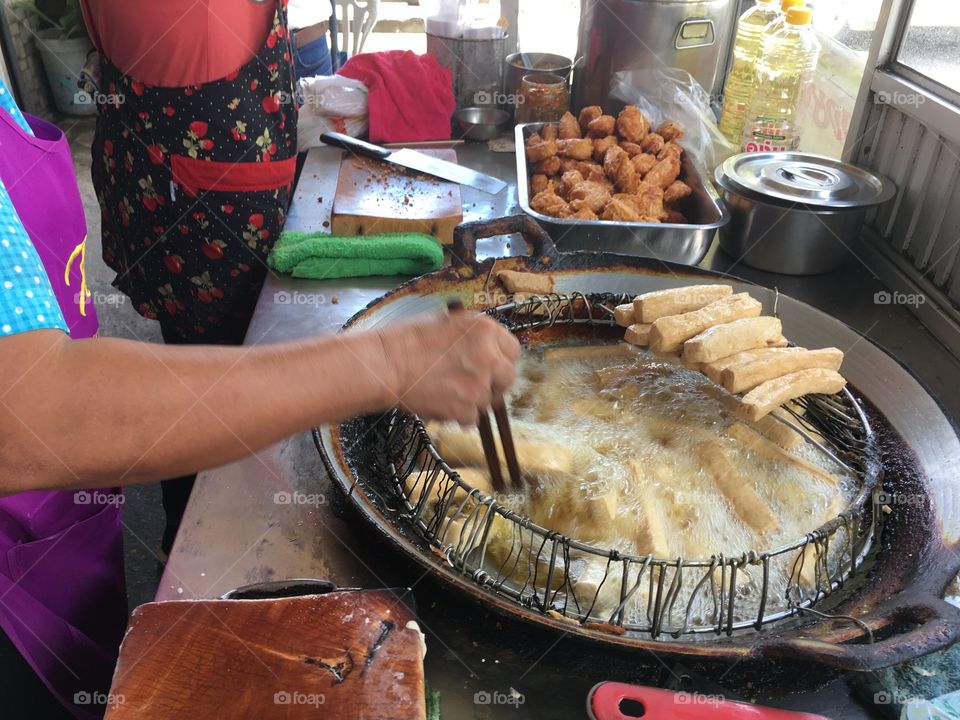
x,y
194,184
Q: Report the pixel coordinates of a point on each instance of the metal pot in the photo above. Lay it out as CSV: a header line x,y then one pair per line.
x,y
795,213
898,595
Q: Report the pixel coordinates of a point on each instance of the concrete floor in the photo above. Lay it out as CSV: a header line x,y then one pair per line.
x,y
142,512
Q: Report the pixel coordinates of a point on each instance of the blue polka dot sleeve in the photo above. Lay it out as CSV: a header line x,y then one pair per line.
x,y
27,301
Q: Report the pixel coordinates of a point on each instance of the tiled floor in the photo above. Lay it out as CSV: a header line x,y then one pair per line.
x,y
142,513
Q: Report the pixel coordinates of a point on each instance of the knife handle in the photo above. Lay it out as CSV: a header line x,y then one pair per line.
x,y
353,145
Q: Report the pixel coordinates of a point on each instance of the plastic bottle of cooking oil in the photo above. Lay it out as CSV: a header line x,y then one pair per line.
x,y
738,89
788,59
781,20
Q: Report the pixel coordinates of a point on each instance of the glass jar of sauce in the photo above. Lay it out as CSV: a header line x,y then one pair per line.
x,y
543,97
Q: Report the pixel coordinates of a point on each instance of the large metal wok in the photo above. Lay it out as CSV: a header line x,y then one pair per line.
x,y
890,611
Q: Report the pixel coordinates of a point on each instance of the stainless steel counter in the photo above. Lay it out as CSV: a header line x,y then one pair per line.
x,y
274,515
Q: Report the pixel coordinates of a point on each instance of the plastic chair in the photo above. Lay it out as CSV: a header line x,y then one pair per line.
x,y
355,23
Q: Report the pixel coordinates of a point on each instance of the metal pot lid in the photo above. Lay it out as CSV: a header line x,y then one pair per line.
x,y
804,178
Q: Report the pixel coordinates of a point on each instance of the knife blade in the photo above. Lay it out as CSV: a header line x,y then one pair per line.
x,y
413,160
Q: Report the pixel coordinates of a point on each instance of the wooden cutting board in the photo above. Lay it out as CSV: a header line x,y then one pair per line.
x,y
377,197
341,655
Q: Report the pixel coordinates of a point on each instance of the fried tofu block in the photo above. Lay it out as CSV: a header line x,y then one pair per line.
x,y
477,478
670,148
746,503
623,315
638,334
746,376
576,148
809,557
528,282
774,430
768,396
714,370
723,340
664,172
590,195
653,305
675,217
463,448
643,162
759,445
549,203
538,183
677,191
669,333
602,126
568,128
541,150
588,115
587,352
631,149
653,535
549,167
670,130
549,131
601,145
632,125
652,144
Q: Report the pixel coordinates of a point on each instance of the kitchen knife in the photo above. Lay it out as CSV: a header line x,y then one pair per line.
x,y
620,701
405,157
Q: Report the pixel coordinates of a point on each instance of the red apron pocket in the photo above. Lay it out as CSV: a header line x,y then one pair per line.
x,y
195,175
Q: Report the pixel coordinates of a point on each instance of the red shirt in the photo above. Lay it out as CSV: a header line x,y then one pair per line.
x,y
173,43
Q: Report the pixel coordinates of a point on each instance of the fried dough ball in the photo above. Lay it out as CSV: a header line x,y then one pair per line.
x,y
612,158
549,203
541,150
533,139
549,167
671,148
601,145
602,126
670,130
567,181
590,195
588,115
643,163
676,217
568,127
664,172
584,214
576,148
549,131
631,148
677,191
652,143
621,209
568,164
538,183
650,202
632,125
619,168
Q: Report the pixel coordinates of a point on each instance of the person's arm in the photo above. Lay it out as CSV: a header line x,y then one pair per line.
x,y
104,412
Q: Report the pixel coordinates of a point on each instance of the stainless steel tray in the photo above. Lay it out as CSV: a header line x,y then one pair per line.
x,y
686,244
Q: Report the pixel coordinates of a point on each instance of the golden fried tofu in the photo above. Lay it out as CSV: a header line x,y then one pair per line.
x,y
587,194
652,143
670,148
650,201
568,164
588,115
632,125
602,126
664,172
677,191
567,181
622,210
549,131
601,145
612,158
643,162
568,128
576,148
670,130
549,167
538,183
591,171
541,150
584,214
632,149
620,170
549,203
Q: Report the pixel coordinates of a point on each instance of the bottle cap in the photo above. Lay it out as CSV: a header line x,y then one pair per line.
x,y
799,15
787,4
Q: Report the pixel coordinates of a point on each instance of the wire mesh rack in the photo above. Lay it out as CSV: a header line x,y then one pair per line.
x,y
507,554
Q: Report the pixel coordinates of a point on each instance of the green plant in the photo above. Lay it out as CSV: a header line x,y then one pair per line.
x,y
69,23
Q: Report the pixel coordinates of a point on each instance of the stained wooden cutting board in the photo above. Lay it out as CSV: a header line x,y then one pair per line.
x,y
341,655
376,197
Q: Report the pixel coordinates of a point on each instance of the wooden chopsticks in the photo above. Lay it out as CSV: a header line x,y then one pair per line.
x,y
486,435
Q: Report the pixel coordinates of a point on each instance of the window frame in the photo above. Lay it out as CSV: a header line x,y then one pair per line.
x,y
910,73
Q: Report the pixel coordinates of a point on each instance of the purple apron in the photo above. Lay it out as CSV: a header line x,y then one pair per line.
x,y
62,595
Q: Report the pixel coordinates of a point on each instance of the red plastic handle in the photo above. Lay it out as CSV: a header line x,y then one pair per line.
x,y
619,701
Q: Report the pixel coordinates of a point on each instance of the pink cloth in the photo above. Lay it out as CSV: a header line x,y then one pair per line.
x,y
411,96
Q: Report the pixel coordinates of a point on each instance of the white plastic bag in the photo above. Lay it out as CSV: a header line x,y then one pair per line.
x,y
673,94
330,102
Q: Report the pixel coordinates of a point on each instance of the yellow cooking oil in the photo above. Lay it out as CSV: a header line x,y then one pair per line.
x,y
746,51
788,60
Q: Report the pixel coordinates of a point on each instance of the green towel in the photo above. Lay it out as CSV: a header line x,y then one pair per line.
x,y
320,256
